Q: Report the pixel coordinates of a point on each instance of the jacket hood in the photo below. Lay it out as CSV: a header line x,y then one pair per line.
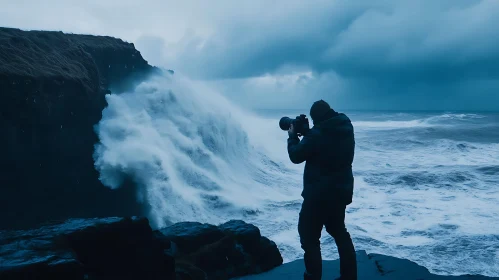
x,y
338,122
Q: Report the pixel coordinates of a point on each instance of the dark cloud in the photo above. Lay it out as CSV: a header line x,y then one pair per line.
x,y
396,40
385,55
360,94
394,54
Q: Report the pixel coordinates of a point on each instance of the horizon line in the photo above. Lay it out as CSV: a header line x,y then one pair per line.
x,y
386,110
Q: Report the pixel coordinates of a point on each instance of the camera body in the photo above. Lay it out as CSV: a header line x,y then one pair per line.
x,y
300,124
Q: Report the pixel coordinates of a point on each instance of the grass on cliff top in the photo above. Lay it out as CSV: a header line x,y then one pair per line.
x,y
50,54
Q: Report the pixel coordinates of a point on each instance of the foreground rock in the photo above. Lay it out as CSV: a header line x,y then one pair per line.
x,y
232,249
52,93
127,248
111,248
370,267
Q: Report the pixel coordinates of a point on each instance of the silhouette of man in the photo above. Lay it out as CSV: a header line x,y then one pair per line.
x,y
328,149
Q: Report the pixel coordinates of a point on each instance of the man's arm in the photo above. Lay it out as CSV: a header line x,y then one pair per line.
x,y
300,151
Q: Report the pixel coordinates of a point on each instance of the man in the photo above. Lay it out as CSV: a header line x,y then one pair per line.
x,y
328,149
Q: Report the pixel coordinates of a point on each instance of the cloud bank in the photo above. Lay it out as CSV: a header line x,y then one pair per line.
x,y
397,54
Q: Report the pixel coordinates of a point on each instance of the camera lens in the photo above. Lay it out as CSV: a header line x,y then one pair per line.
x,y
285,123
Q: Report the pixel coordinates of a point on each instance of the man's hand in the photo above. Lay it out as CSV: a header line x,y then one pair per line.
x,y
291,132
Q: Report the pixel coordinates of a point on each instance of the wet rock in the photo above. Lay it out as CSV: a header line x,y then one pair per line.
x,y
190,236
127,248
59,269
396,268
52,93
369,267
232,249
264,252
246,234
110,248
267,256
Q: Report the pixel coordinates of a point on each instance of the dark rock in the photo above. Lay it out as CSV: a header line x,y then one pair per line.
x,y
397,268
215,256
111,248
44,269
267,255
186,270
264,253
52,93
127,248
190,236
166,244
371,267
232,249
246,234
216,260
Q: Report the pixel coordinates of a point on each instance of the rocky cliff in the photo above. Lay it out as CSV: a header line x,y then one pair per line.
x,y
127,248
369,267
52,88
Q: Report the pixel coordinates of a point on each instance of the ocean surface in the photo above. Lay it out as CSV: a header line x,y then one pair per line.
x,y
426,183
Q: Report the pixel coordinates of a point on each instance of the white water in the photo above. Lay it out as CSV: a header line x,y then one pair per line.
x,y
196,157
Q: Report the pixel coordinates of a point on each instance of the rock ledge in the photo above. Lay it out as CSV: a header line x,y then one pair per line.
x,y
127,248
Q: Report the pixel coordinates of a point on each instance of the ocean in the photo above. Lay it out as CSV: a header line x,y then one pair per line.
x,y
426,183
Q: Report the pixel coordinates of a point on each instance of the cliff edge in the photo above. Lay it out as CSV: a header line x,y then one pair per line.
x,y
369,267
128,249
52,88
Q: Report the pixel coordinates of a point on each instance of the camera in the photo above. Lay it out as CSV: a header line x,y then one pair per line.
x,y
300,124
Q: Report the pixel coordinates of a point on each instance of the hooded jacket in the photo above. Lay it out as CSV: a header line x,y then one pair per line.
x,y
328,149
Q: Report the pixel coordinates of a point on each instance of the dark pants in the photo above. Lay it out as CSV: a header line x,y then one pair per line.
x,y
313,216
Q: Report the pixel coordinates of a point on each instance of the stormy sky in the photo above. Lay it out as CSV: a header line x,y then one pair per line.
x,y
373,55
